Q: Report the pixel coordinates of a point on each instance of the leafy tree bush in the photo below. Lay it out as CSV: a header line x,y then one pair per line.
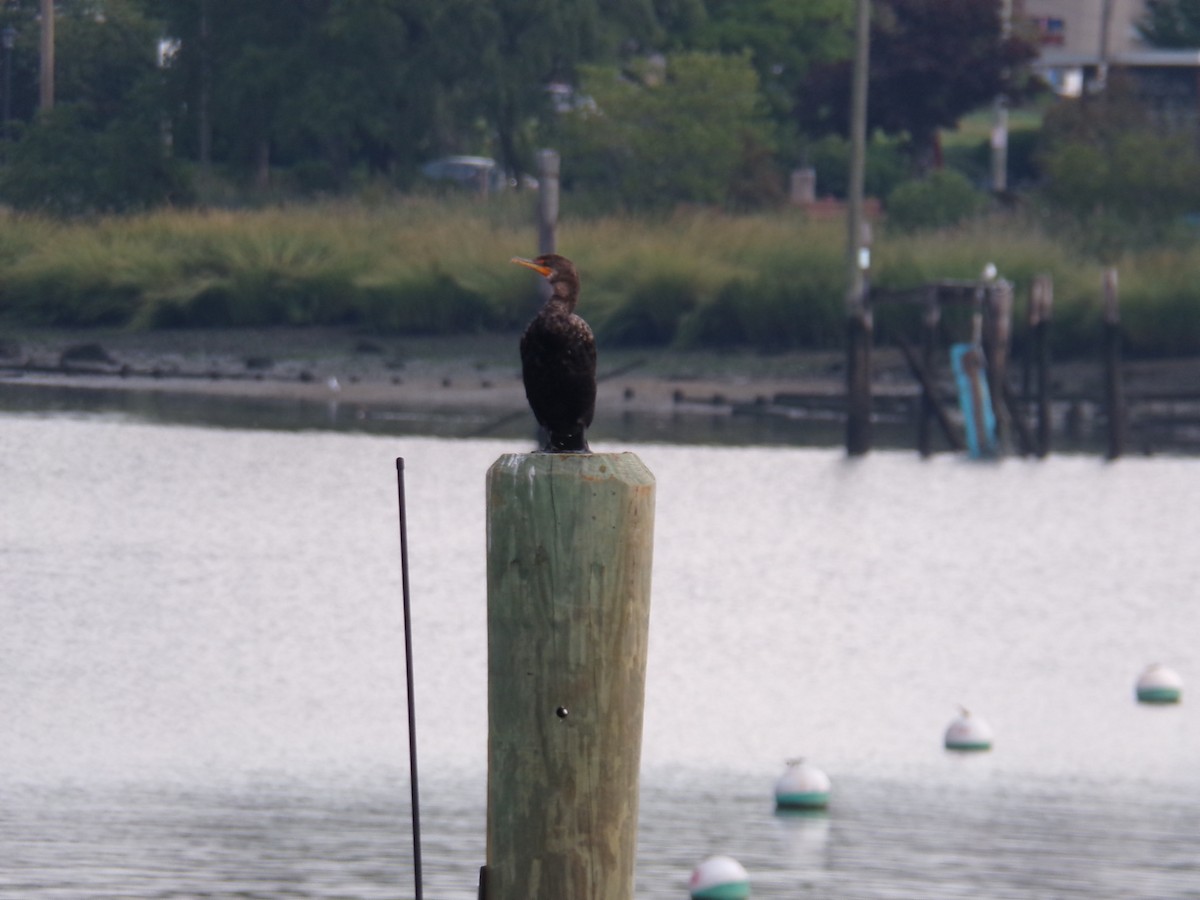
x,y
101,148
969,149
941,199
886,165
931,63
784,41
1171,23
1114,174
665,137
66,165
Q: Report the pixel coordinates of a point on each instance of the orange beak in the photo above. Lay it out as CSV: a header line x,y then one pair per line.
x,y
544,271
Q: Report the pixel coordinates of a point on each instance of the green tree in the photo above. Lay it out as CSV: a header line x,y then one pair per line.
x,y
101,148
932,61
784,39
326,86
1171,23
235,65
373,100
683,134
942,199
525,45
1109,171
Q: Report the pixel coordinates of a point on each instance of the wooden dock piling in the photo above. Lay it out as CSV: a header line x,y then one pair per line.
x,y
570,540
1114,392
996,341
931,317
1041,305
858,384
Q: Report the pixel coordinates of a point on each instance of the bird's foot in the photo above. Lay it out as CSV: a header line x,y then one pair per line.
x,y
567,443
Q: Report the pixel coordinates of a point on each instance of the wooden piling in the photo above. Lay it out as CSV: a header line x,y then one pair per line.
x,y
570,540
997,339
1041,305
1114,395
858,384
931,317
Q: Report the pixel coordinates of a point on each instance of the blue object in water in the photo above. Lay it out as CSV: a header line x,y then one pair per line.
x,y
970,375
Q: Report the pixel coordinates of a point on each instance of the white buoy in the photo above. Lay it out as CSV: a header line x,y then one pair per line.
x,y
802,786
719,878
1158,684
968,732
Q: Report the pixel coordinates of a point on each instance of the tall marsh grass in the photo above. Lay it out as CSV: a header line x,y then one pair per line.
x,y
695,278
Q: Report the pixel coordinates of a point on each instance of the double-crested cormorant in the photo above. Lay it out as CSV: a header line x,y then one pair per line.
x,y
558,359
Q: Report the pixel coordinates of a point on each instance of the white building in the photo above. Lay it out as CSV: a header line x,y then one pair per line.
x,y
1081,40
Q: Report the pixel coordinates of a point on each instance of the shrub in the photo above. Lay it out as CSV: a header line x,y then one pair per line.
x,y
691,134
942,199
886,166
63,166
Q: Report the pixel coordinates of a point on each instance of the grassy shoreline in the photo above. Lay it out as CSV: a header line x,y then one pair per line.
x,y
693,280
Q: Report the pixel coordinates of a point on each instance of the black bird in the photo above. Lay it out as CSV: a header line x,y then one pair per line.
x,y
558,359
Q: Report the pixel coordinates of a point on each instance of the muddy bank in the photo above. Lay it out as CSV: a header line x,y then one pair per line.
x,y
472,384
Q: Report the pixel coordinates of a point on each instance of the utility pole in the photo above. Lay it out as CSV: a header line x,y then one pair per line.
x,y
858,312
1105,47
548,165
46,71
1000,115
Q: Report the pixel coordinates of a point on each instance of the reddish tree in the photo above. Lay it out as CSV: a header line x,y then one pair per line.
x,y
932,61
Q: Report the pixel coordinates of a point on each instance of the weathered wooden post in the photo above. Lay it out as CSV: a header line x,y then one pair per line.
x,y
1041,304
570,540
997,337
1114,395
931,316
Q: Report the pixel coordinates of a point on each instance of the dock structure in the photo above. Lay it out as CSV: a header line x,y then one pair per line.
x,y
990,303
569,548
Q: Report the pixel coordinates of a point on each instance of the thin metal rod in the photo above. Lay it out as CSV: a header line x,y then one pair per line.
x,y
408,665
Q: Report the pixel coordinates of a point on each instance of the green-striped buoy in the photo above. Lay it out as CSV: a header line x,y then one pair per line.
x,y
968,732
719,878
1158,684
802,786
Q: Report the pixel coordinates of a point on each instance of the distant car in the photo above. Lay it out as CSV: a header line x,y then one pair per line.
x,y
480,173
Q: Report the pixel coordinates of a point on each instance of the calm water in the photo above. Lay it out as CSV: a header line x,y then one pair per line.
x,y
201,667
